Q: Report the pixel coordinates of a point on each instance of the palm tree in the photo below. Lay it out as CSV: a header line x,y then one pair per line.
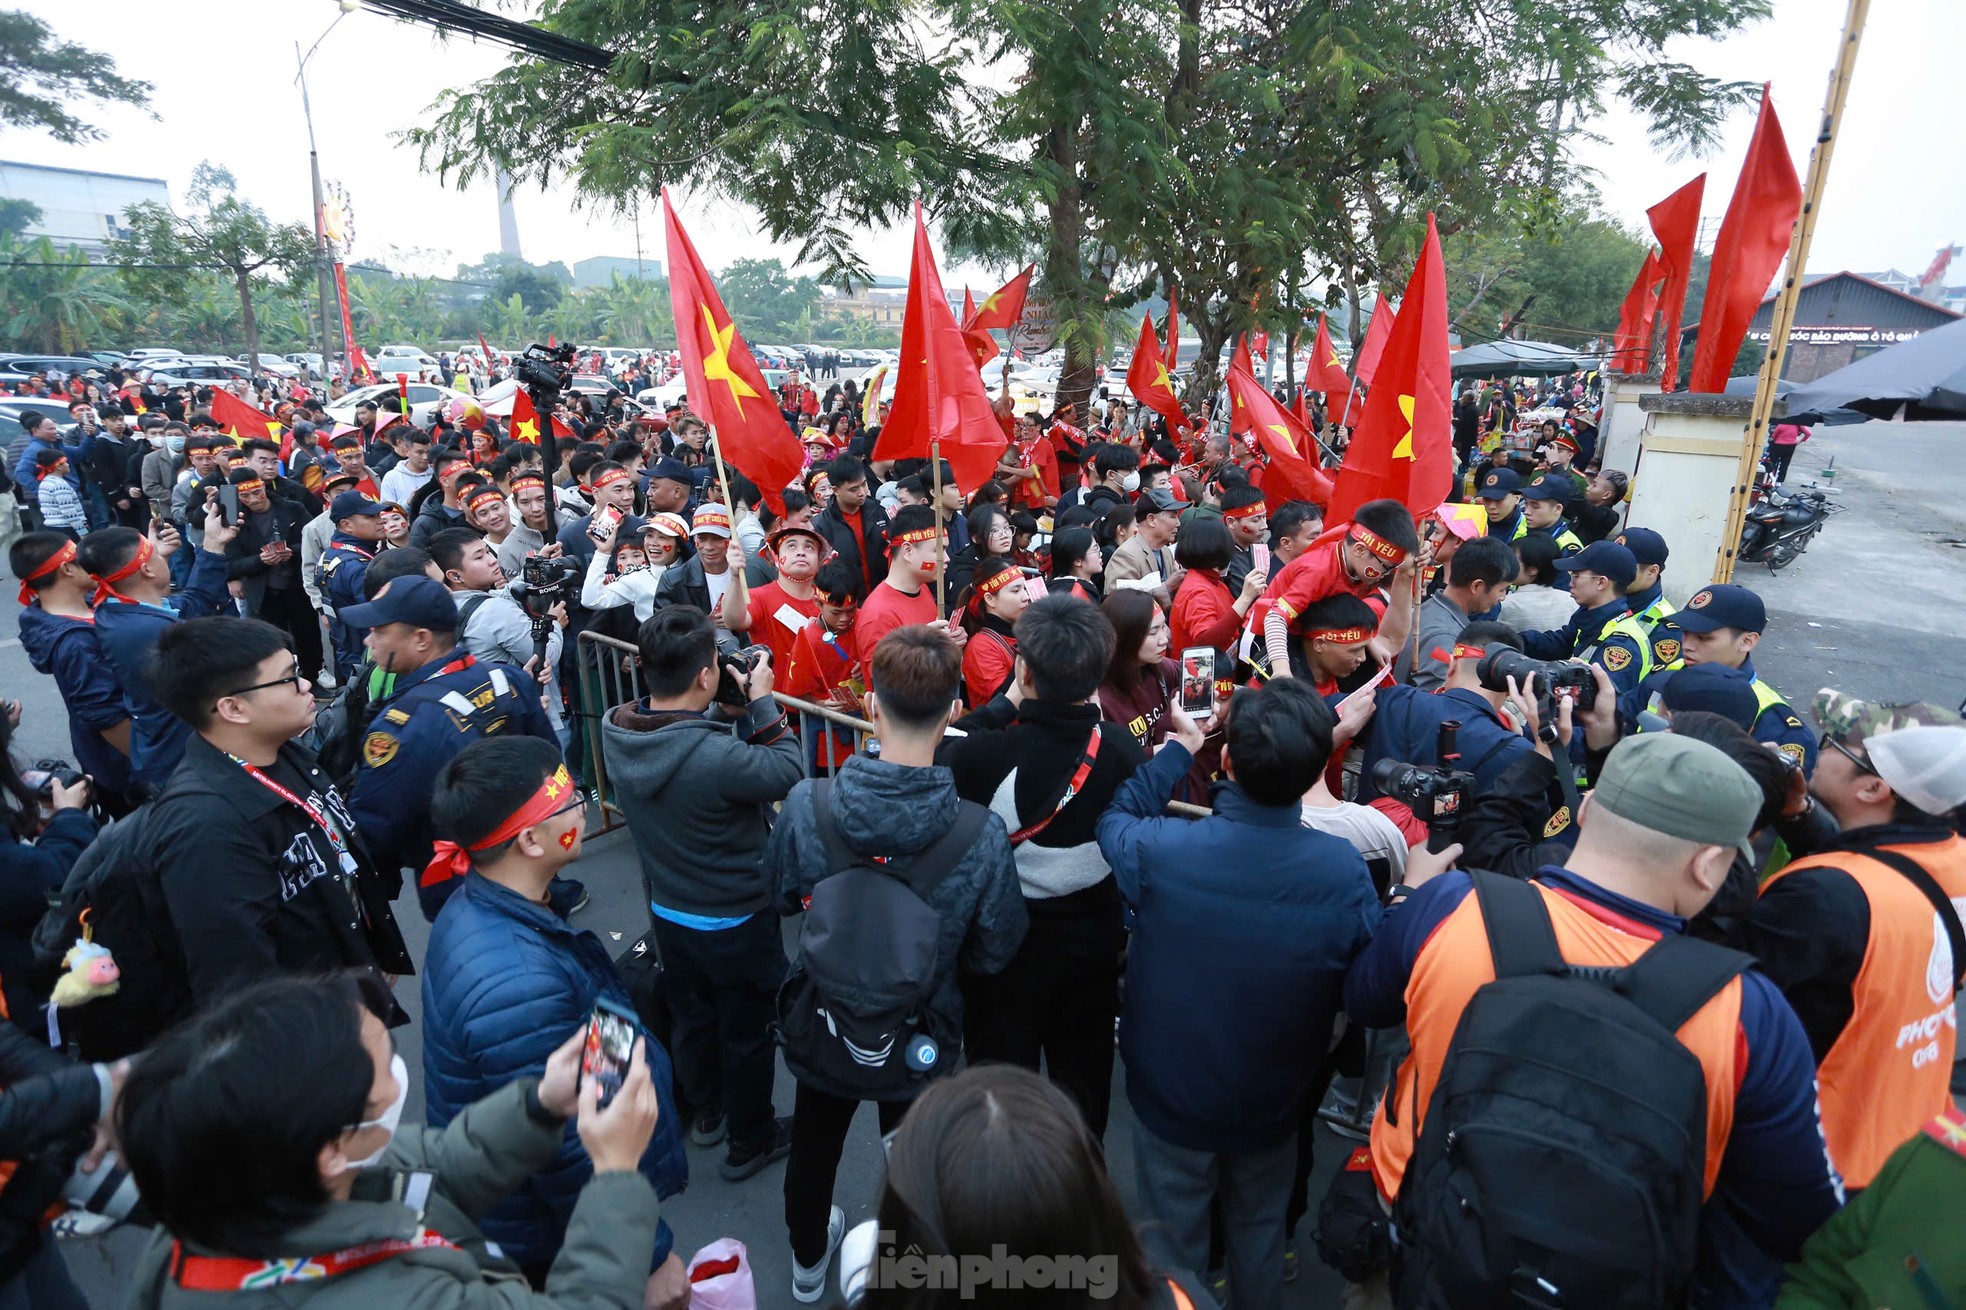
x,y
58,301
633,310
509,322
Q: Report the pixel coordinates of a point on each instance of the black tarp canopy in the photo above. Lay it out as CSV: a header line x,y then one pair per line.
x,y
1926,374
1511,359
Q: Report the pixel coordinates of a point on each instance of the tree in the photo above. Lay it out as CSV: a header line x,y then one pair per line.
x,y
636,312
42,78
764,299
221,232
16,216
55,302
1232,151
1563,280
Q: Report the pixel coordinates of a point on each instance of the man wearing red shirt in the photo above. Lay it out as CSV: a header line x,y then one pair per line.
x,y
1067,443
774,613
1029,466
906,597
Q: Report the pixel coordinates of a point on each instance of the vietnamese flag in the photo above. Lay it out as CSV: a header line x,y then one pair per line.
x,y
1295,472
1173,331
1676,222
1403,447
721,375
1240,420
1632,346
939,399
237,419
1365,365
1753,239
1002,308
525,419
1327,374
1150,382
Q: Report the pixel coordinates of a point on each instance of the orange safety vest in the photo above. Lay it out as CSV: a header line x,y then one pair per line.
x,y
1887,1074
1455,963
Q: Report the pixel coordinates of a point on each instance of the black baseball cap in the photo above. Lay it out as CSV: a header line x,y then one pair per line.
x,y
350,504
1722,605
1497,484
1646,546
1605,558
671,469
1548,489
417,600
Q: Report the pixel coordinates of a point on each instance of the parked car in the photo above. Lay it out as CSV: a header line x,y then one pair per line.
x,y
308,361
195,373
392,362
274,365
154,352
22,367
424,400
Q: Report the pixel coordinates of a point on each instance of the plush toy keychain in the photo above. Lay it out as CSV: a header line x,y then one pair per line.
x,y
90,971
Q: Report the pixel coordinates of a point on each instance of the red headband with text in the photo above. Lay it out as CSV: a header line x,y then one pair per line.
x,y
54,562
449,860
1378,545
106,583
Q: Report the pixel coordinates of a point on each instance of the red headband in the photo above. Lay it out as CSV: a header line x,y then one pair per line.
x,y
449,860
479,497
1250,510
997,581
59,467
919,534
1378,545
609,478
106,583
53,563
527,480
1342,636
1461,651
250,484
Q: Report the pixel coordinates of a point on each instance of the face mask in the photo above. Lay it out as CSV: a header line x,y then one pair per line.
x,y
388,1119
174,444
1131,483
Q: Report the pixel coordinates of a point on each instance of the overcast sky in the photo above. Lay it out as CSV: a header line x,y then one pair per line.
x,y
223,78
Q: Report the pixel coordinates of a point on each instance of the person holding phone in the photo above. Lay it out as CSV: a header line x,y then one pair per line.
x,y
506,979
268,1132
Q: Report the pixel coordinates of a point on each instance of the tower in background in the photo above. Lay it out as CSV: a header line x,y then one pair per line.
x,y
508,220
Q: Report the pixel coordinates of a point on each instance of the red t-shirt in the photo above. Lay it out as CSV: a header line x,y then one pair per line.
x,y
860,540
1043,457
887,608
776,618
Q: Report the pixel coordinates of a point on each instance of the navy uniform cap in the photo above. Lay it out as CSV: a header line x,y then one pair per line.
x,y
1498,483
1722,605
1646,546
1606,558
352,504
419,601
1549,489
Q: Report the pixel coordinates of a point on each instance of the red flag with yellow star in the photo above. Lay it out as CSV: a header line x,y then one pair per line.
x,y
1149,380
1239,419
938,394
1295,472
1002,308
1327,374
724,383
237,419
1403,447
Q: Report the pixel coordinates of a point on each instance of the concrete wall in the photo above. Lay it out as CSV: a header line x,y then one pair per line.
x,y
1617,435
1689,455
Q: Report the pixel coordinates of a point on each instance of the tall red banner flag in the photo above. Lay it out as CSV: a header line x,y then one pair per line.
x,y
237,419
1403,447
1754,237
1632,344
1147,377
1327,374
1173,339
1294,472
938,394
1676,222
1366,365
1240,419
721,375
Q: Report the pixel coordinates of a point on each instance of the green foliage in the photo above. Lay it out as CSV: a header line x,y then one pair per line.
x,y
42,78
766,302
17,215
52,302
1570,271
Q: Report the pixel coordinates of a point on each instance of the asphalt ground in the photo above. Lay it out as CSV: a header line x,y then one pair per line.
x,y
1877,606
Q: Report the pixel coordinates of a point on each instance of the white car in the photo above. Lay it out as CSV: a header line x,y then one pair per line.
x,y
392,362
424,401
275,365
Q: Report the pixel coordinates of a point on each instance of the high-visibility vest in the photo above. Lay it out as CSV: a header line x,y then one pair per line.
x,y
1566,540
1627,625
1888,1071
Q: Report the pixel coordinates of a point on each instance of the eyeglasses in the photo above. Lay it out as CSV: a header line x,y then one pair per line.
x,y
294,678
1824,739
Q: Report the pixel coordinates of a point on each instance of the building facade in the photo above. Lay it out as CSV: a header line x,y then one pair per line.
x,y
1839,319
78,208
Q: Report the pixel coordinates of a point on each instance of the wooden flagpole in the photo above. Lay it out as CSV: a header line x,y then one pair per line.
x,y
941,555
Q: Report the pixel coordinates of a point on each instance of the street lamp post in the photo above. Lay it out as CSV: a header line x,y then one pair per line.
x,y
321,261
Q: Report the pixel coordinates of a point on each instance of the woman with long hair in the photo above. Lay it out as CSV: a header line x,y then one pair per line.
x,y
996,597
996,1159
989,537
1206,612
1076,563
1142,681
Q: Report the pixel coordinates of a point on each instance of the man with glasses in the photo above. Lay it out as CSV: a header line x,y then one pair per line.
x,y
1863,934
1603,631
443,699
260,864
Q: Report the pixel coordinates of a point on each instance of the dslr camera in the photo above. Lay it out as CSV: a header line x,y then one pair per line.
x,y
733,670
1437,794
1554,678
543,581
545,368
41,777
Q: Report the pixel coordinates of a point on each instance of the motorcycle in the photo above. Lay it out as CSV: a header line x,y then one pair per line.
x,y
1781,523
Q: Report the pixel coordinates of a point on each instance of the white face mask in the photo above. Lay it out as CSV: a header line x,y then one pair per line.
x,y
387,1121
1131,482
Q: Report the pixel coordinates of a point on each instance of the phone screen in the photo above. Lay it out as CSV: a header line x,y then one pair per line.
x,y
1197,679
604,522
228,504
610,1046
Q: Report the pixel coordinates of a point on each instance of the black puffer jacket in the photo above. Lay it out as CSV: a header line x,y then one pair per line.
x,y
46,1114
892,809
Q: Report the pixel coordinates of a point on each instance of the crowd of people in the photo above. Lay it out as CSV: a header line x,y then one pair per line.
x,y
1445,826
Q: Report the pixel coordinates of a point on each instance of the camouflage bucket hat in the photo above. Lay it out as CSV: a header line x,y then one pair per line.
x,y
1852,721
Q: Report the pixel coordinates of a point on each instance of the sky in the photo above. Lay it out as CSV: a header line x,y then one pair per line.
x,y
1895,192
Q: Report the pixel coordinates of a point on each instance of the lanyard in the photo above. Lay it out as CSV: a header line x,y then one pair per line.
x,y
1072,787
333,834
218,1273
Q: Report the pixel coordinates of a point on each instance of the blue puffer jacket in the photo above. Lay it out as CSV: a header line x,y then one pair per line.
x,y
505,982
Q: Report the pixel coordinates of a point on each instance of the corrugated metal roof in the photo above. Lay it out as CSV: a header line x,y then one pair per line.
x,y
1851,300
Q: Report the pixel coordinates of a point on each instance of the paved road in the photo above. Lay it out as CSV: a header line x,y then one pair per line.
x,y
1875,605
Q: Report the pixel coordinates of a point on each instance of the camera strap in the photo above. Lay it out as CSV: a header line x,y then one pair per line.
x,y
221,1273
1073,785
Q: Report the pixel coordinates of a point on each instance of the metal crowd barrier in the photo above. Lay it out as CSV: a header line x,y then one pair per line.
x,y
610,674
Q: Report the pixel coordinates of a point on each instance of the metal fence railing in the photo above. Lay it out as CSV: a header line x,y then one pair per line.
x,y
610,674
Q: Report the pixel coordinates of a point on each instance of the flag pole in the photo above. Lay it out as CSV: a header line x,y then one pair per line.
x,y
1782,317
941,559
730,508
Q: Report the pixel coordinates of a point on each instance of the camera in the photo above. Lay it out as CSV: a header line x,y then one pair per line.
x,y
1558,678
109,1191
1437,794
41,777
545,368
734,669
543,581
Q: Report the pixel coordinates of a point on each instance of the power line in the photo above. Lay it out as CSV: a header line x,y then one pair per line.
x,y
452,16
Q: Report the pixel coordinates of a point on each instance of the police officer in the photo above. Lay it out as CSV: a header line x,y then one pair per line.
x,y
443,700
1501,495
1603,630
1543,504
1722,624
1647,596
357,530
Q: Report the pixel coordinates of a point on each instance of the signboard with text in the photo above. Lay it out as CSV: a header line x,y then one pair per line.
x,y
1841,336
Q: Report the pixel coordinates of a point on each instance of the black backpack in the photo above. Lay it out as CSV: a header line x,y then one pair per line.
x,y
114,882
1562,1161
853,1012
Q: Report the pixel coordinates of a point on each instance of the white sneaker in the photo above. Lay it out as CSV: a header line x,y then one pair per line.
x,y
808,1285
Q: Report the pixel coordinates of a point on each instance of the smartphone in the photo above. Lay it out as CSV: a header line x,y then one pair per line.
x,y
1197,679
228,504
609,1049
604,521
